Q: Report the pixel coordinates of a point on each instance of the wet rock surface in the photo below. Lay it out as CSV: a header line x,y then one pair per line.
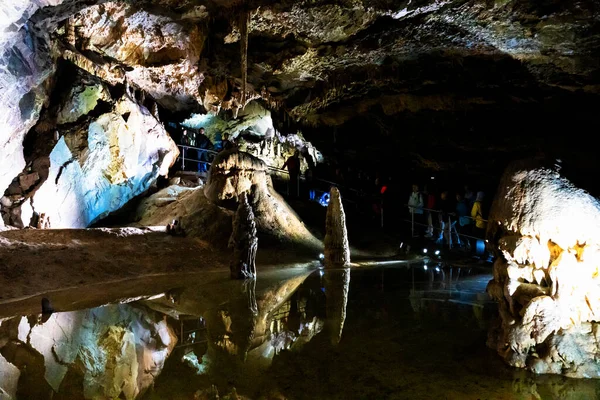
x,y
545,279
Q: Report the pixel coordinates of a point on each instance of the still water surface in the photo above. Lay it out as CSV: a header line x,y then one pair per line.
x,y
396,331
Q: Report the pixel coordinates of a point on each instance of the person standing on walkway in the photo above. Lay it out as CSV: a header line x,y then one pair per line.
x,y
415,209
293,166
477,215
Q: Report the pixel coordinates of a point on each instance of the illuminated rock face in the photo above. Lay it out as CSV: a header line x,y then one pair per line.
x,y
95,170
337,249
9,379
162,52
25,65
236,172
546,278
116,351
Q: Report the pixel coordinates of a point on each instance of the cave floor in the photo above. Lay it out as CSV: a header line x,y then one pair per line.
x,y
109,263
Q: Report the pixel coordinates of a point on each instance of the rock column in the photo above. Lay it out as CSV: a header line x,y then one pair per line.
x,y
244,241
546,276
337,249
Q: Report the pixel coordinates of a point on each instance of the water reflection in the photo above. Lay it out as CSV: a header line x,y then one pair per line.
x,y
405,331
337,287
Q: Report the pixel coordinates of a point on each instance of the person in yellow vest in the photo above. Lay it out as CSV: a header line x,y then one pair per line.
x,y
477,215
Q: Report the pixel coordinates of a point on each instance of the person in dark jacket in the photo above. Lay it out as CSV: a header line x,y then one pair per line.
x,y
203,143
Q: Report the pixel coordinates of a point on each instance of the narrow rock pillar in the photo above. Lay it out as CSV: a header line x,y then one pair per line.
x,y
244,241
337,249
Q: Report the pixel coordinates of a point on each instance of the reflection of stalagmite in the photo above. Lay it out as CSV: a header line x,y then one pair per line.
x,y
337,286
337,250
244,241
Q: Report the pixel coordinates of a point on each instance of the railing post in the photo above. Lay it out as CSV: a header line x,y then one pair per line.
x,y
183,158
412,221
449,233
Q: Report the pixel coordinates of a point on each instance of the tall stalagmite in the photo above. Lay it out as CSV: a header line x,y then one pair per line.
x,y
244,241
546,279
337,249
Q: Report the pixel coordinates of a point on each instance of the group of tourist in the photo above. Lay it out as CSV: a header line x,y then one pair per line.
x,y
437,215
204,148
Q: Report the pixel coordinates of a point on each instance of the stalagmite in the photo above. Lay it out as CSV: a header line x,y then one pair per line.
x,y
546,280
337,249
244,241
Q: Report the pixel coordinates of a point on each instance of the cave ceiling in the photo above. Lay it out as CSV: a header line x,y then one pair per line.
x,y
317,63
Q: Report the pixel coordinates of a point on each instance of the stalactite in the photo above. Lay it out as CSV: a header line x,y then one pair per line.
x,y
244,22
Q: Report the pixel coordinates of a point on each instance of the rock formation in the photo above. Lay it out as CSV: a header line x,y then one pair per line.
x,y
337,287
546,282
115,351
337,249
243,241
233,173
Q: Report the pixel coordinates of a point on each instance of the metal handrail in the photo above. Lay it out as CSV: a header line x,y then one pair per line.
x,y
440,211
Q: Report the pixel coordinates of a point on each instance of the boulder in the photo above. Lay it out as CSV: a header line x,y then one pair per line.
x,y
546,280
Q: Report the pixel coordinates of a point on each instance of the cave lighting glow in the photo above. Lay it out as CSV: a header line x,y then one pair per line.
x,y
197,121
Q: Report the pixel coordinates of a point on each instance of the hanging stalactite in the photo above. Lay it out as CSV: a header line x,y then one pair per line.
x,y
244,22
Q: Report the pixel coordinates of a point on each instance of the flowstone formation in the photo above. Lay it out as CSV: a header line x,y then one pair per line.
x,y
243,241
233,173
546,278
337,249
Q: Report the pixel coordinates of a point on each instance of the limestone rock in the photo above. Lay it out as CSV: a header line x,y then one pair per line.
x,y
243,241
9,379
162,52
25,65
337,249
254,133
197,215
118,349
236,172
546,279
82,98
125,151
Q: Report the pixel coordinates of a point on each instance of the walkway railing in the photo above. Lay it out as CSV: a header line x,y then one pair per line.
x,y
187,151
446,227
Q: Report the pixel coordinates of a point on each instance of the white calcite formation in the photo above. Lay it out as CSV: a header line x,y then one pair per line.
x,y
25,65
124,152
117,350
254,133
546,278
